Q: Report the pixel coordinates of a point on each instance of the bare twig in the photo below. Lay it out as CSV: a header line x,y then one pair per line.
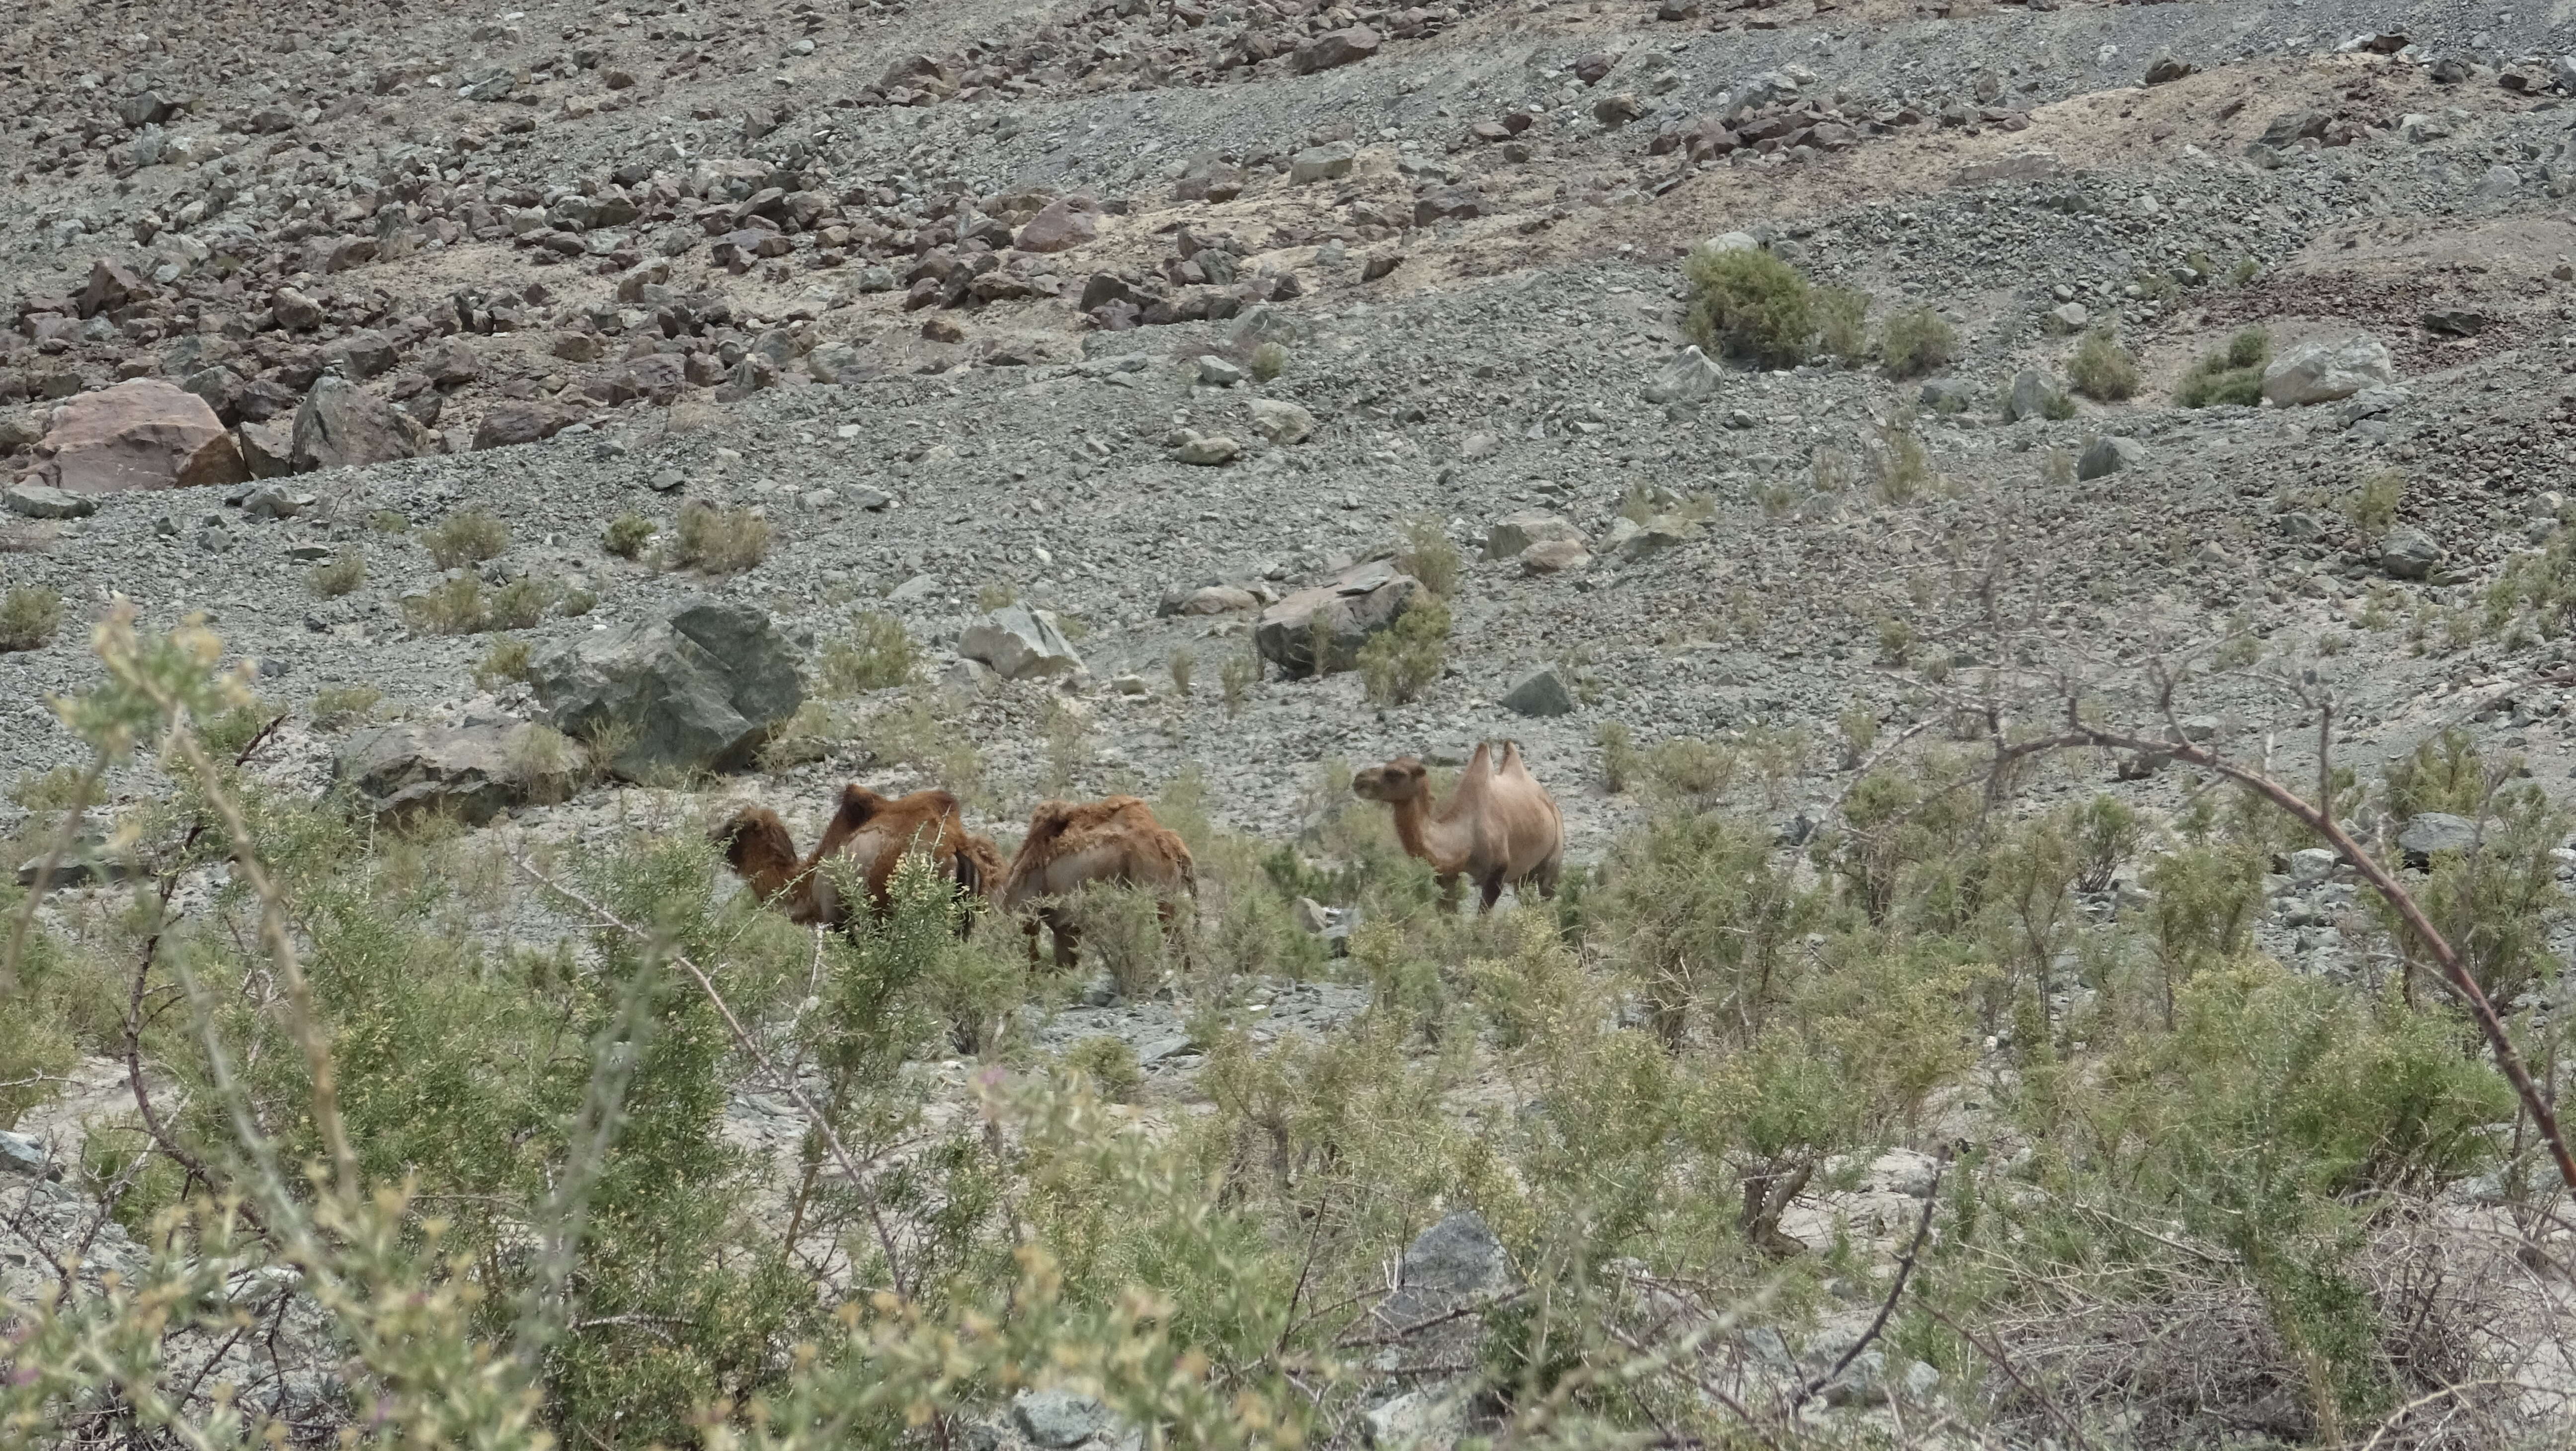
x,y
1895,1289
45,874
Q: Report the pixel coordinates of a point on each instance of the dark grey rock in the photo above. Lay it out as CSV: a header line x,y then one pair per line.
x,y
1020,644
697,690
1539,692
2409,553
341,424
1060,1419
2109,456
1689,378
2429,832
1452,1264
37,501
2031,396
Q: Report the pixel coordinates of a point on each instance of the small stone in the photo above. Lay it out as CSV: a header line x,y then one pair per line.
x,y
666,480
1217,372
2165,69
273,502
1320,163
1554,556
1539,693
1514,533
1059,226
1947,395
1478,445
1208,449
2310,865
1281,421
25,1154
940,330
1336,48
2031,397
969,677
2109,456
2069,317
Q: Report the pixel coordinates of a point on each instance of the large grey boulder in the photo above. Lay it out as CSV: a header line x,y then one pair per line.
x,y
2429,832
2031,396
1455,1265
1688,378
341,424
1020,644
2109,456
2322,372
1341,616
1512,534
472,773
697,690
37,501
2409,553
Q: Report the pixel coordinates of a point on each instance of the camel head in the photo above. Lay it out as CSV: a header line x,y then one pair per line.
x,y
1403,779
754,841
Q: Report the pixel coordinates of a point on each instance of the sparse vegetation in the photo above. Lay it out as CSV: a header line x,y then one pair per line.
x,y
1400,662
341,574
1429,555
519,604
2232,376
1917,341
1618,755
29,616
451,607
1182,666
1842,324
1269,360
505,662
2101,369
1235,678
1748,303
1108,1062
626,535
2372,506
336,706
717,540
468,536
876,653
995,596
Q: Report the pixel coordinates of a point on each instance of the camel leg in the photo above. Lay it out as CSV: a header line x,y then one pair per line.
x,y
1489,892
1029,927
1545,877
1068,944
1448,892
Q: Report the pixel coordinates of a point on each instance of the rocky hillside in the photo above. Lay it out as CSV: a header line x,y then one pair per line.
x,y
592,418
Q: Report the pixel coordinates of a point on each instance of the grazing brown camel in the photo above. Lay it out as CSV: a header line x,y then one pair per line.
x,y
873,832
1499,826
1116,840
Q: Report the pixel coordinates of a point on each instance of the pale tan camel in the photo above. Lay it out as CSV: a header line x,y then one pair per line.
x,y
1499,826
873,832
1070,844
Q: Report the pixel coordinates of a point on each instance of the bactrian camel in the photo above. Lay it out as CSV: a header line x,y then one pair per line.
x,y
873,832
1070,844
1498,828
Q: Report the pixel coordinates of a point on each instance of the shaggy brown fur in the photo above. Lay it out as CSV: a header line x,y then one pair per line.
x,y
1115,840
874,832
1498,828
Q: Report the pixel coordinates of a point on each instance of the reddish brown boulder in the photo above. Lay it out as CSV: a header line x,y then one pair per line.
x,y
111,286
1060,226
1336,48
144,434
509,424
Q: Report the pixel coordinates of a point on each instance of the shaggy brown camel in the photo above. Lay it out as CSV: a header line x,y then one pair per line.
x,y
1115,839
873,832
1498,827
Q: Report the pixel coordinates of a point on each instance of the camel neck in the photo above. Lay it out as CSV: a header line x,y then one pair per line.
x,y
1415,828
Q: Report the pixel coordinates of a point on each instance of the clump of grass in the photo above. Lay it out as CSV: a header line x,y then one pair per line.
x,y
716,540
505,663
1429,556
335,706
807,736
2057,467
1108,1062
522,602
1903,464
1269,361
1841,324
1751,304
626,535
1618,755
386,521
578,602
55,790
1234,680
2372,508
2101,369
1400,662
1183,666
451,607
468,536
995,596
2232,376
875,654
1895,641
29,616
1918,341
338,575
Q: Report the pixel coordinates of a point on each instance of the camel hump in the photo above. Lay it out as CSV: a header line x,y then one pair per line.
x,y
858,803
1046,824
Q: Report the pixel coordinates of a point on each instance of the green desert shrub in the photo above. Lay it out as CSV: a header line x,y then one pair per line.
x,y
626,535
2101,369
1842,324
2232,376
1918,341
29,616
1400,662
718,540
468,536
1748,303
875,653
338,575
